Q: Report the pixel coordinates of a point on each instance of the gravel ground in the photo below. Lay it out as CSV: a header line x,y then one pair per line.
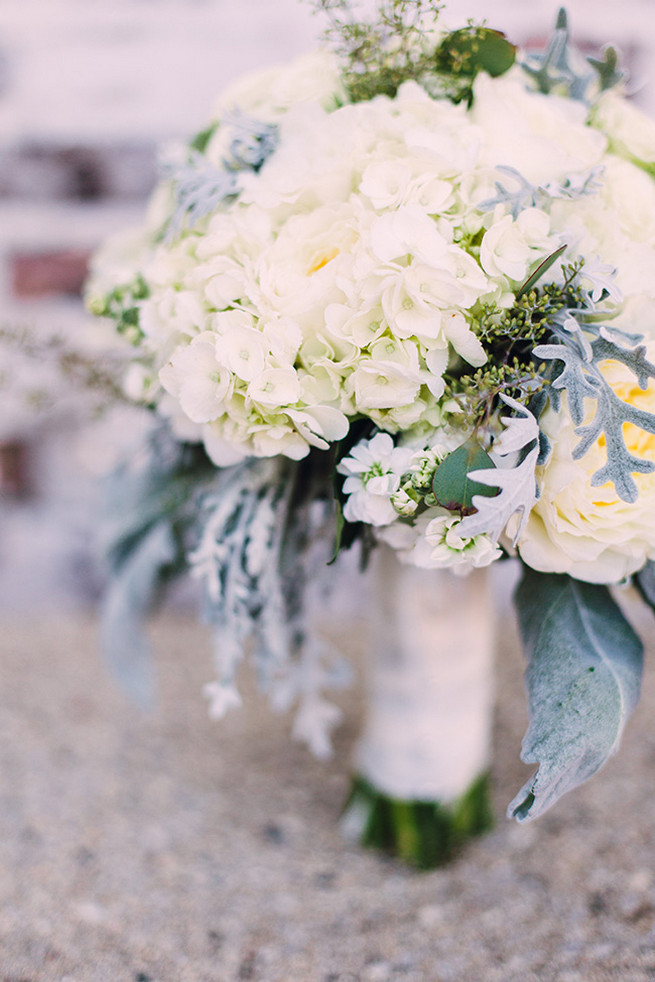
x,y
167,848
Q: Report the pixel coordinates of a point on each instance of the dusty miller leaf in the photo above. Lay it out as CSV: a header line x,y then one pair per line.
x,y
582,379
200,186
149,509
516,481
519,193
126,604
560,68
260,528
583,679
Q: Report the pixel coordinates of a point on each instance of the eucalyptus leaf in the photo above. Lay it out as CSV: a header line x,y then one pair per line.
x,y
452,486
470,50
583,679
540,271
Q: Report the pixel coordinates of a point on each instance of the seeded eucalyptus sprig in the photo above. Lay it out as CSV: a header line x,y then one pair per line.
x,y
402,43
379,56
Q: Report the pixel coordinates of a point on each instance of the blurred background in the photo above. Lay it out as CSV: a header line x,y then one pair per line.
x,y
88,92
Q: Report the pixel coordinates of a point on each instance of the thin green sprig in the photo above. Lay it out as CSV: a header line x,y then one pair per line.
x,y
379,56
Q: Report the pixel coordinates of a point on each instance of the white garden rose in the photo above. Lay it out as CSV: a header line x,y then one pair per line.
x,y
543,137
314,77
589,532
617,224
631,132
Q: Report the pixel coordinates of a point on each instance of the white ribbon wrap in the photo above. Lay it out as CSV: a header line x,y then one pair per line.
x,y
430,682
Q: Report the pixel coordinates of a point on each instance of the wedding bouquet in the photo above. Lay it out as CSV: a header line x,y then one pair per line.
x,y
400,291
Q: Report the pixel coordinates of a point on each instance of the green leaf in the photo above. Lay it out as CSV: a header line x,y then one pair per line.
x,y
583,679
200,142
470,50
540,271
608,67
339,525
645,582
451,484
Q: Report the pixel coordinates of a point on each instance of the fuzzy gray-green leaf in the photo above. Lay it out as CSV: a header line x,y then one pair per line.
x,y
583,680
645,583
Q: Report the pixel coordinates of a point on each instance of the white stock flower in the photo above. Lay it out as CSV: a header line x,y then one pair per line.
x,y
373,472
434,542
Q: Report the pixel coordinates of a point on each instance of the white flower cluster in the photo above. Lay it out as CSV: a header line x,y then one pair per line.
x,y
375,472
348,275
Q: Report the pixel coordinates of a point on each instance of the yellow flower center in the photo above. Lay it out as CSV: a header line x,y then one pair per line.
x,y
322,260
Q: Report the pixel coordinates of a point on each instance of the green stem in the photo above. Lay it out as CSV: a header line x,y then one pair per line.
x,y
425,834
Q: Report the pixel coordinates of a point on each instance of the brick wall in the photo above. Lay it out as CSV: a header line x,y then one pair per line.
x,y
88,90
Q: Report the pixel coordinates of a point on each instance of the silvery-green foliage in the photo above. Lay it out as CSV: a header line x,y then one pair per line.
x,y
583,680
515,455
645,583
199,186
150,506
126,604
252,142
256,557
582,379
560,69
517,193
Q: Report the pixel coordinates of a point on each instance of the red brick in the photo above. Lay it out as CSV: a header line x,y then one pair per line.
x,y
42,274
14,470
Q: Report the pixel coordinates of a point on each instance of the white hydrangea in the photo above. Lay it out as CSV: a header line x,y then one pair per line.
x,y
347,284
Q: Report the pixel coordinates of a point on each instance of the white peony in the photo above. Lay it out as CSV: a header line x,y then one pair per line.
x,y
631,132
314,77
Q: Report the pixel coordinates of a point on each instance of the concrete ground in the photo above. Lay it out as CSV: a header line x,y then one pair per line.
x,y
168,848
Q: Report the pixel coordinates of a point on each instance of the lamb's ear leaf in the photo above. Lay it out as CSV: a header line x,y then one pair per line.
x,y
644,580
130,596
583,680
